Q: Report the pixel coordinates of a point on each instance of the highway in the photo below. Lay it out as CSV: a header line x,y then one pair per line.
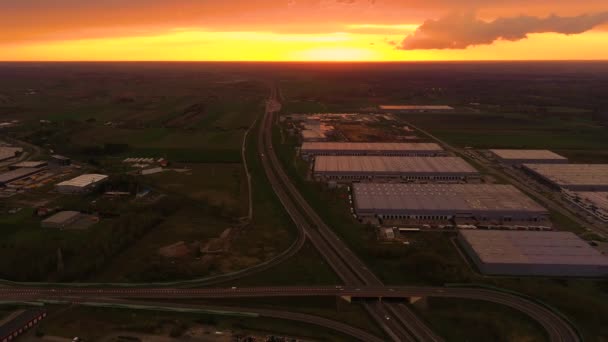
x,y
397,320
557,329
237,312
342,260
359,283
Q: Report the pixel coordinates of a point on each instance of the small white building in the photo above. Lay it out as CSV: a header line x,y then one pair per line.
x,y
82,183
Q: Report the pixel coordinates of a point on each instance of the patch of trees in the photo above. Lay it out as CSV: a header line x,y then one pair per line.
x,y
83,256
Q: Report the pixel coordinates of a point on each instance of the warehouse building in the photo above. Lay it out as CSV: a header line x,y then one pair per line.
x,y
20,324
499,252
17,174
416,108
7,152
29,164
370,149
574,177
83,183
60,160
489,205
518,157
61,220
381,168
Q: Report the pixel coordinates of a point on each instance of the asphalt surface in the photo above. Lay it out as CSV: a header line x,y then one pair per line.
x,y
557,329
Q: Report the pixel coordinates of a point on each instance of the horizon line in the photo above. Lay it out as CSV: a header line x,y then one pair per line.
x,y
312,61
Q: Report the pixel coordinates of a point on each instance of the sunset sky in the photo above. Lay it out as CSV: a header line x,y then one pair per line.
x,y
302,30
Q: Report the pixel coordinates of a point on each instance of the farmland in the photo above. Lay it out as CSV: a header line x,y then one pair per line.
x,y
195,117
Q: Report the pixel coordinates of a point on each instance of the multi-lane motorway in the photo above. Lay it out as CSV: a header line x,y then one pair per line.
x,y
557,329
397,320
391,317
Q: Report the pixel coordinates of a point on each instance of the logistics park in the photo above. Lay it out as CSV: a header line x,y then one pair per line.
x,y
145,226
405,187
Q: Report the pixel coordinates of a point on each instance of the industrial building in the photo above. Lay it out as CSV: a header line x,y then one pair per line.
x,y
21,323
61,220
518,157
7,152
574,177
500,252
370,149
83,183
416,108
29,164
381,168
489,205
595,203
60,160
17,174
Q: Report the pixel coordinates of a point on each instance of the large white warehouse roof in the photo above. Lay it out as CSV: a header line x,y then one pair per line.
x,y
84,180
362,146
455,198
533,251
569,175
527,154
380,164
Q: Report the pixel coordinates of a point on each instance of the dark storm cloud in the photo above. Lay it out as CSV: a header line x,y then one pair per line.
x,y
459,31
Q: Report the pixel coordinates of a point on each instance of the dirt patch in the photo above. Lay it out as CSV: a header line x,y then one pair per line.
x,y
177,250
218,245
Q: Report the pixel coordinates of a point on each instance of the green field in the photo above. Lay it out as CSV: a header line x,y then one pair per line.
x,y
93,324
329,307
305,268
487,321
196,120
575,136
220,185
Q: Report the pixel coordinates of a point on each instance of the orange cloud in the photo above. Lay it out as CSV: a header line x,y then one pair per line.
x,y
266,29
459,31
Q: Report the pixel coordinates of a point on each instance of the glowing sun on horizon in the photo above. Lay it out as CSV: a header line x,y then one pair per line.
x,y
335,54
